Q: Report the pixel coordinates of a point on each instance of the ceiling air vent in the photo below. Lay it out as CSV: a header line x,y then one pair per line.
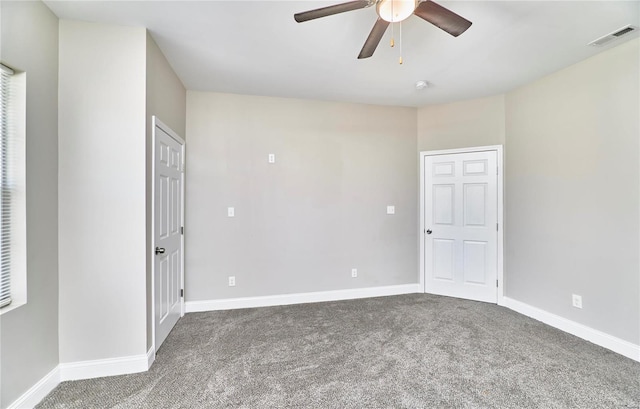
x,y
613,36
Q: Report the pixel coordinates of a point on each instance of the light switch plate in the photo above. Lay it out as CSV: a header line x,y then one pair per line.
x,y
272,158
231,212
391,210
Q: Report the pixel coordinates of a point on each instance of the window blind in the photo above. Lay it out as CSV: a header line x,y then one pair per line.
x,y
7,184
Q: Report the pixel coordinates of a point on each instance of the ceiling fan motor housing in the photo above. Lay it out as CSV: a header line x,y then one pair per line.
x,y
395,11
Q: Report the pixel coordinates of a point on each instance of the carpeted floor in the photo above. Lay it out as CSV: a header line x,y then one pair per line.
x,y
410,351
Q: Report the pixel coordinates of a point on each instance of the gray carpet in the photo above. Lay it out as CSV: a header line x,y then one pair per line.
x,y
410,351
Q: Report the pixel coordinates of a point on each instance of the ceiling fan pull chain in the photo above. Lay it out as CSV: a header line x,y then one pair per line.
x,y
393,34
400,43
393,43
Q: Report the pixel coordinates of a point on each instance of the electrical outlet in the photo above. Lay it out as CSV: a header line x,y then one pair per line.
x,y
232,281
272,158
577,300
231,212
391,210
354,272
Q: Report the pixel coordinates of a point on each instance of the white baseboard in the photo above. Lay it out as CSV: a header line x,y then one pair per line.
x,y
151,357
37,392
83,370
105,367
600,338
300,298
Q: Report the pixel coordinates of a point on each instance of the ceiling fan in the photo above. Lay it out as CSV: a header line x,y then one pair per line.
x,y
393,11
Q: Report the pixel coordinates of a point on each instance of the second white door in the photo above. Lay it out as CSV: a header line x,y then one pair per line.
x,y
168,205
461,225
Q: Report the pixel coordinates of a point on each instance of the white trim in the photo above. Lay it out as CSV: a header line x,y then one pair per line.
x,y
151,357
500,265
82,370
300,298
423,289
105,367
6,69
18,219
600,338
37,392
462,150
157,123
153,232
14,305
500,154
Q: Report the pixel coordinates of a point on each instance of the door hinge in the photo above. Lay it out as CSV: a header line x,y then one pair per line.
x,y
181,229
497,283
181,292
497,229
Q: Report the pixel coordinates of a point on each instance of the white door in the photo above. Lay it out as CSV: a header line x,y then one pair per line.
x,y
168,243
460,229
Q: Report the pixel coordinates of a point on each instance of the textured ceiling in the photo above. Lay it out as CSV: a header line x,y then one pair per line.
x,y
255,47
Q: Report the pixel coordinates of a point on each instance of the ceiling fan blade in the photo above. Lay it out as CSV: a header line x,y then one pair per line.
x,y
442,18
374,38
331,10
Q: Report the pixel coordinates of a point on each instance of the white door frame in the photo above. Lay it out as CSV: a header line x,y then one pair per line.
x,y
156,123
498,149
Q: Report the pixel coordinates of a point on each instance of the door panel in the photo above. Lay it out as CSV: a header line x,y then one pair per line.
x,y
461,214
475,204
163,283
443,207
475,167
443,259
163,203
168,179
475,261
175,206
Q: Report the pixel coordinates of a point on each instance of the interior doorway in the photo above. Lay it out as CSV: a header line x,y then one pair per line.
x,y
168,238
461,223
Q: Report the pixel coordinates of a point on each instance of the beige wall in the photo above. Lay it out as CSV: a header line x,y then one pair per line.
x,y
477,122
166,96
167,100
572,166
302,223
29,334
102,201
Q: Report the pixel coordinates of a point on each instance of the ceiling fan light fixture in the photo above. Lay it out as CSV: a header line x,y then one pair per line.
x,y
395,11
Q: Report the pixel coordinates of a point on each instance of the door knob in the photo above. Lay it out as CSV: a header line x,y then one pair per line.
x,y
159,250
429,231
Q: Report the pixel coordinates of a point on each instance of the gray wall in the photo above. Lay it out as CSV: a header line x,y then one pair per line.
x,y
573,192
463,124
102,199
166,99
571,185
29,339
302,223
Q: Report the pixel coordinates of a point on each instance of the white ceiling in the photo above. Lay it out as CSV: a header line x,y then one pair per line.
x,y
255,47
